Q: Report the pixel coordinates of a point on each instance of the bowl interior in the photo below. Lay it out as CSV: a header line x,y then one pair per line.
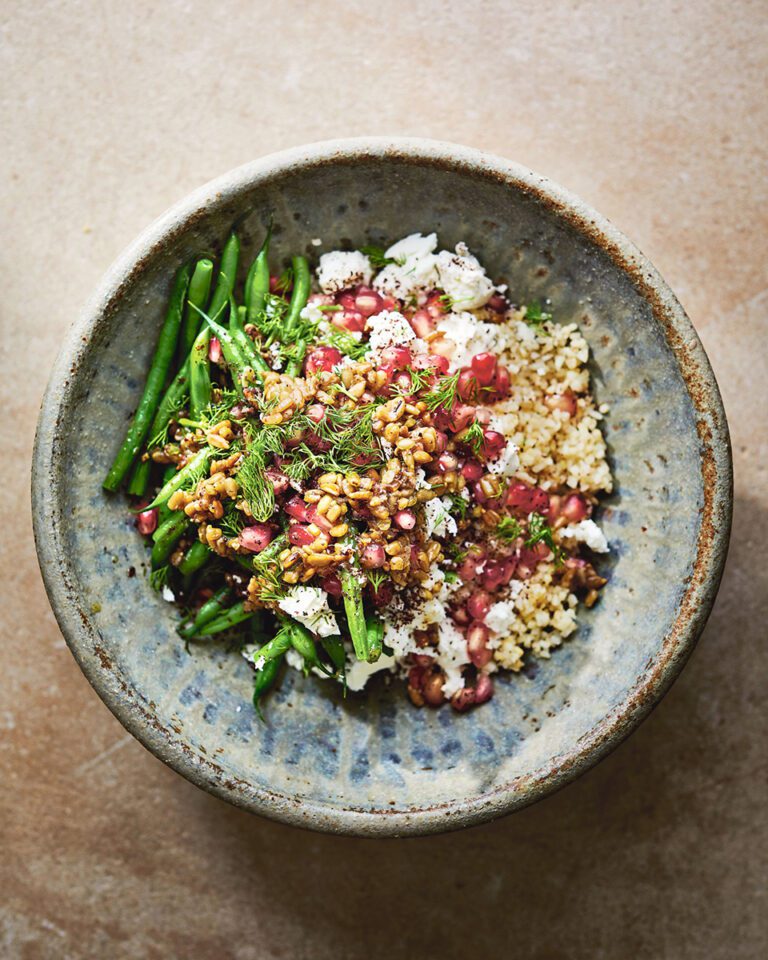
x,y
320,755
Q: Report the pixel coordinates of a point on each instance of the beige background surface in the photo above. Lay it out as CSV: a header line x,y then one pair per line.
x,y
655,112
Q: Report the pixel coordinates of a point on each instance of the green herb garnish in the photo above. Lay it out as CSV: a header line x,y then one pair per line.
x,y
443,393
536,317
377,256
508,529
539,531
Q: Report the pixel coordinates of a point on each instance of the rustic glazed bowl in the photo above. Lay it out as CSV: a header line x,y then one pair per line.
x,y
376,766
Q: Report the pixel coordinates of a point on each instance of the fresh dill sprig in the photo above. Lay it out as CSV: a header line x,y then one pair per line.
x,y
285,280
377,256
233,520
474,438
534,315
508,529
459,506
254,484
451,576
455,553
159,578
376,578
343,341
539,531
443,393
419,380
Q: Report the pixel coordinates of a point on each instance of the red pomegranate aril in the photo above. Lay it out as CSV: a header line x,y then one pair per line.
x,y
562,401
522,500
478,605
529,559
429,361
484,368
146,522
214,350
279,481
422,323
435,305
316,412
472,471
322,358
299,535
332,586
400,357
417,675
298,509
432,688
422,660
373,556
483,689
498,303
405,519
368,302
467,385
462,416
403,382
463,699
447,462
383,594
501,383
575,508
493,575
319,519
441,441
349,320
493,444
255,538
477,644
461,616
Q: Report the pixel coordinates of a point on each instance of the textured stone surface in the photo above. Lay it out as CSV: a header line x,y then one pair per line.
x,y
655,113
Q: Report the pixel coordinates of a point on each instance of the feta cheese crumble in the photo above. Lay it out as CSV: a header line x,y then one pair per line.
x,y
587,532
309,605
390,329
359,672
470,336
507,463
340,270
415,269
463,278
438,520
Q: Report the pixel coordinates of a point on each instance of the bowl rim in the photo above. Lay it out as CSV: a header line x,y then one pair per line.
x,y
660,671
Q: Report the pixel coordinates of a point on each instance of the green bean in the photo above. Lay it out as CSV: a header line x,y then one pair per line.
x,y
153,388
293,369
199,288
196,465
375,637
265,680
195,558
167,536
226,620
199,374
139,479
352,591
171,403
225,282
234,356
274,648
259,561
257,282
334,647
164,511
299,295
209,611
247,346
304,644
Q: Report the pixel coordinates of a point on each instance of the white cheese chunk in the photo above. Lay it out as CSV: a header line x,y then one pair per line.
x,y
390,329
359,672
470,336
309,605
587,532
415,269
340,270
438,520
463,278
506,464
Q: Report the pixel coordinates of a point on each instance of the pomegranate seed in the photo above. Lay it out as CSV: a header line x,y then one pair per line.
x,y
279,481
461,417
349,320
484,368
447,462
478,605
461,616
501,383
435,305
322,358
214,350
575,508
422,323
529,560
483,689
298,509
441,441
399,357
382,595
403,382
332,585
146,522
299,535
405,519
522,500
562,401
416,677
477,644
256,537
493,575
368,302
472,471
319,519
463,699
422,660
467,386
498,303
316,412
428,361
493,444
373,556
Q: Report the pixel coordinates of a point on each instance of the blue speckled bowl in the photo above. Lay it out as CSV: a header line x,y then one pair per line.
x,y
376,765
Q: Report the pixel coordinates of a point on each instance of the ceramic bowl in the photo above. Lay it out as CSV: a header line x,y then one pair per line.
x,y
375,765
